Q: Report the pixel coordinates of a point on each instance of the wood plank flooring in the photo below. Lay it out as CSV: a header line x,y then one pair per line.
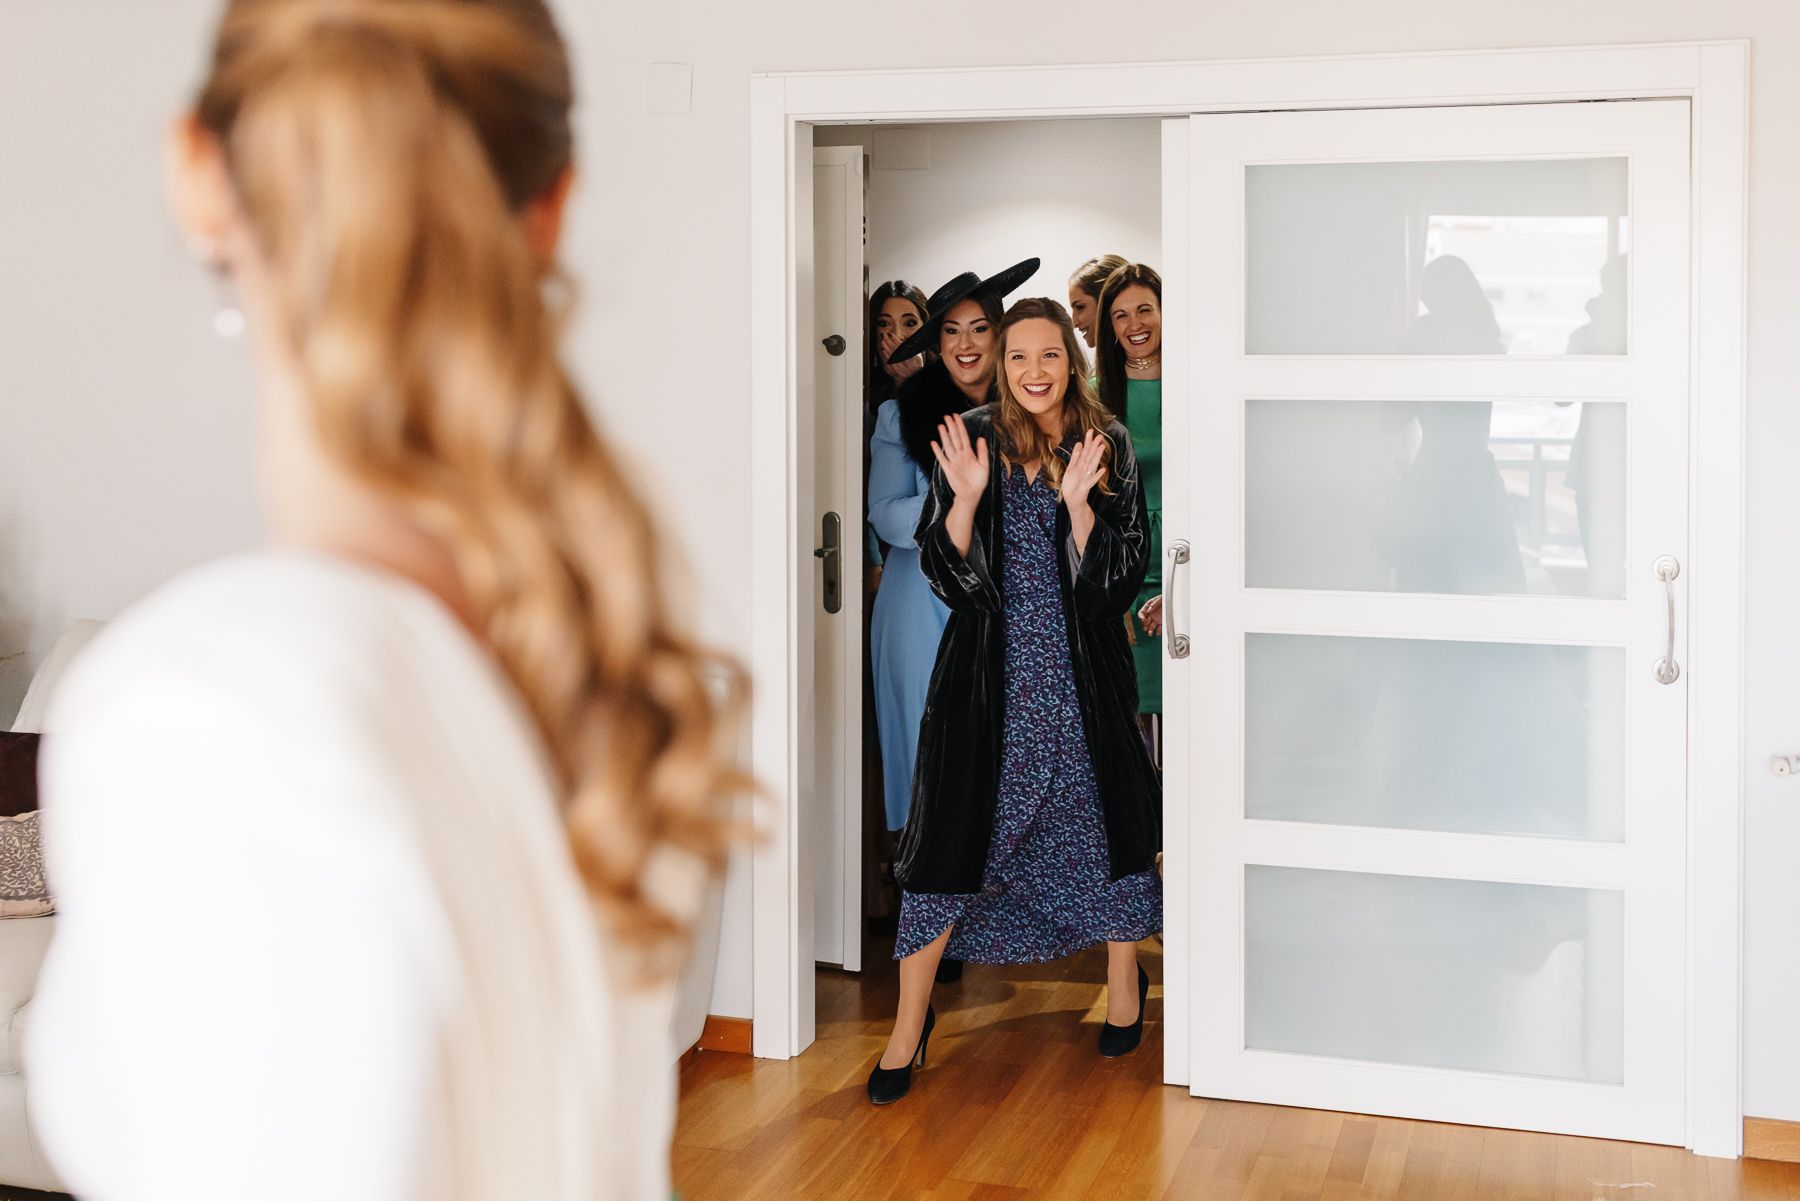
x,y
1016,1104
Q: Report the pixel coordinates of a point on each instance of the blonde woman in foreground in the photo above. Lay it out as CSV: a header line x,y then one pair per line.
x,y
376,849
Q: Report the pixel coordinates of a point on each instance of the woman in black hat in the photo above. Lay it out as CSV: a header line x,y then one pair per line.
x,y
1036,812
961,325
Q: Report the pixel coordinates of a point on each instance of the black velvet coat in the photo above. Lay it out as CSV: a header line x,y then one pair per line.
x,y
957,778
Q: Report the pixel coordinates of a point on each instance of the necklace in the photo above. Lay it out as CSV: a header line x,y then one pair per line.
x,y
1154,360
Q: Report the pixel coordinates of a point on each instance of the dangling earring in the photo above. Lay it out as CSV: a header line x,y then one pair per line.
x,y
228,318
557,292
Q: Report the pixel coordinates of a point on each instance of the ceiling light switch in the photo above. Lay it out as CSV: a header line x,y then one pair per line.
x,y
671,88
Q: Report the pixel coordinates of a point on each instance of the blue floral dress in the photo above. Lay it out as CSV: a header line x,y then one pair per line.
x,y
1045,889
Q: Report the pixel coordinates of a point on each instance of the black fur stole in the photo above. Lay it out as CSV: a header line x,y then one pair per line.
x,y
925,401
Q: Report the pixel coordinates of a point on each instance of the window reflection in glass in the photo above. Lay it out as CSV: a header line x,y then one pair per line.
x,y
1475,258
1487,498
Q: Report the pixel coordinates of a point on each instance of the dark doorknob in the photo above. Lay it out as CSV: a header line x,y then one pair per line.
x,y
834,345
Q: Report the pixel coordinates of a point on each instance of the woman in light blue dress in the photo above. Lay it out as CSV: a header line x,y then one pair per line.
x,y
908,620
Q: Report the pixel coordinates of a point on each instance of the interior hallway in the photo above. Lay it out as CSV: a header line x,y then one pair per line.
x,y
1016,1104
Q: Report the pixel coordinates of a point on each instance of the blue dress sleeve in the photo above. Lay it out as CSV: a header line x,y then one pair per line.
x,y
896,486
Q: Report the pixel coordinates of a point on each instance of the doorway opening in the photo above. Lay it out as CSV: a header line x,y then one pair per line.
x,y
917,205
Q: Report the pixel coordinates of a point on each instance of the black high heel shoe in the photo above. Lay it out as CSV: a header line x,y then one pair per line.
x,y
1123,1040
888,1085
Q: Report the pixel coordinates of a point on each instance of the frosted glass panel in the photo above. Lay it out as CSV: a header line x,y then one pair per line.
x,y
1523,979
1523,257
1466,737
1445,496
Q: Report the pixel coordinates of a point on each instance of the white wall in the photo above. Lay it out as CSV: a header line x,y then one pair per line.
x,y
983,196
124,422
123,440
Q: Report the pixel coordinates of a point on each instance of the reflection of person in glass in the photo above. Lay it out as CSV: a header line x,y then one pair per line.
x,y
1499,719
1459,317
1453,529
1603,334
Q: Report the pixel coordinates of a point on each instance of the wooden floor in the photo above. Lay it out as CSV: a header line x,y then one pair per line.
x,y
1016,1104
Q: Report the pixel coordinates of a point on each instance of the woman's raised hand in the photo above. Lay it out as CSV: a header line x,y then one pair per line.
x,y
964,466
905,369
1084,469
1150,616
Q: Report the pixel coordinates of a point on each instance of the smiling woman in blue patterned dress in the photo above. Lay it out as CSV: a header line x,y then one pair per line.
x,y
1035,815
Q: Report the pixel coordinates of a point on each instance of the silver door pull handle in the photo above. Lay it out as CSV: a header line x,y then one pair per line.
x,y
1667,568
1178,557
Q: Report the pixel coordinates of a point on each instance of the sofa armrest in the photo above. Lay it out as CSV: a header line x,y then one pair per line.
x,y
23,941
75,636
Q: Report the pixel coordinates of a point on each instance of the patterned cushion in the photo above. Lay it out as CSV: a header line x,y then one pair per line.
x,y
23,892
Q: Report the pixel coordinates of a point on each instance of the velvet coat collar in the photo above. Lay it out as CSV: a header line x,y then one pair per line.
x,y
956,783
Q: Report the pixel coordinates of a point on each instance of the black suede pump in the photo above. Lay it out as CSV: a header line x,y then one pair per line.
x,y
888,1085
1123,1040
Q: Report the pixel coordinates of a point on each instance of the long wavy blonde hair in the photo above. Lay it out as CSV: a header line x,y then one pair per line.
x,y
1021,441
382,151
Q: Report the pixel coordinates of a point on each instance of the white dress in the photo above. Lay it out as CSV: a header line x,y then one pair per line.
x,y
319,934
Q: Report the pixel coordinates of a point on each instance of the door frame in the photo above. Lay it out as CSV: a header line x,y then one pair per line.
x,y
1712,75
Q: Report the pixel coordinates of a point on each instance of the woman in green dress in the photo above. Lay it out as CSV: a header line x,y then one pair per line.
x,y
1129,365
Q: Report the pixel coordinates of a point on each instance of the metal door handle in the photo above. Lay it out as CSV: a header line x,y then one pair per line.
x,y
1667,568
832,553
1178,557
835,345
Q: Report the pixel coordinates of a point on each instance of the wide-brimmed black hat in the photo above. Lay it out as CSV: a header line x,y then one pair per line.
x,y
954,293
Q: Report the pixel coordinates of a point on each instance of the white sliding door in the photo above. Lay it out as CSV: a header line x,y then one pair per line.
x,y
1430,474
832,443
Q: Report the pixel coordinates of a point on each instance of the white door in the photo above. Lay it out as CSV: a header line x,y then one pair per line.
x,y
831,800
1426,748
